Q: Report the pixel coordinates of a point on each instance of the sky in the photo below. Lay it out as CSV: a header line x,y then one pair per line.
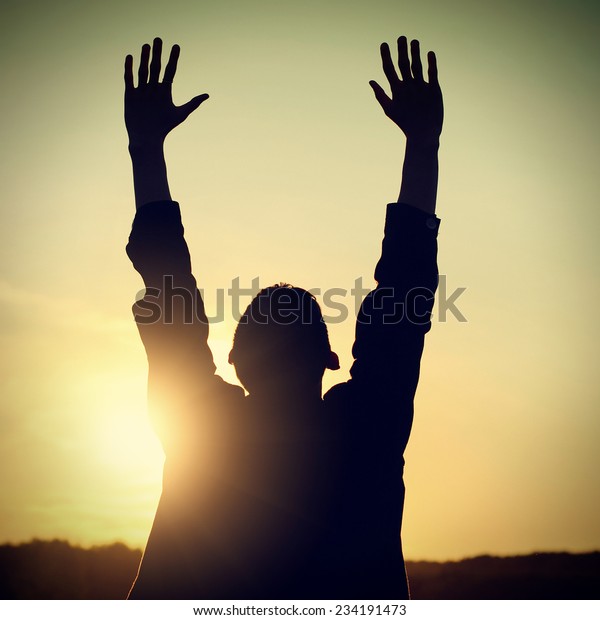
x,y
284,174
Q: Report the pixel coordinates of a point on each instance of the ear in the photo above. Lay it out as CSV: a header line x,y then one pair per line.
x,y
333,362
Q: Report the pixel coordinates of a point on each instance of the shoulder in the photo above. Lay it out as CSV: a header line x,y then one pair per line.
x,y
227,392
335,394
343,397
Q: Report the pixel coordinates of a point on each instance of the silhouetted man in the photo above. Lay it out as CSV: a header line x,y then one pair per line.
x,y
282,493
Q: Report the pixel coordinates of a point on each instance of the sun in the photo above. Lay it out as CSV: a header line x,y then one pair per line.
x,y
123,439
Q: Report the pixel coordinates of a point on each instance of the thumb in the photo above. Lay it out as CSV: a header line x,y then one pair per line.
x,y
380,95
187,108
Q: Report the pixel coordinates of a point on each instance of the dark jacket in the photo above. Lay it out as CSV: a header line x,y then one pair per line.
x,y
261,501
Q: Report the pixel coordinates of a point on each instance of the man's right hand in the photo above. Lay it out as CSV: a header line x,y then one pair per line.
x,y
150,113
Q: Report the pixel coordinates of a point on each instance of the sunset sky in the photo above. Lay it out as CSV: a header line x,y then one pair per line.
x,y
284,174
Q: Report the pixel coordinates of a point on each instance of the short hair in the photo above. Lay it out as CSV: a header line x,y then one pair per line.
x,y
283,327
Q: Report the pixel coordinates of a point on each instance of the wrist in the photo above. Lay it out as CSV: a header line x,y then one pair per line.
x,y
423,144
149,172
146,149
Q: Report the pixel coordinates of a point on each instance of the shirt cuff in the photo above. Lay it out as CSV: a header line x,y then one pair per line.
x,y
400,214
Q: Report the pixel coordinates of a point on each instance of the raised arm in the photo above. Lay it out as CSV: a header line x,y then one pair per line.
x,y
395,317
416,107
171,318
150,115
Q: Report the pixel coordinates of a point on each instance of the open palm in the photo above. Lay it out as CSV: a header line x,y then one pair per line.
x,y
416,106
150,113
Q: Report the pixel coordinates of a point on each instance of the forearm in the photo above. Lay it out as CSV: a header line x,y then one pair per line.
x,y
420,175
150,180
150,115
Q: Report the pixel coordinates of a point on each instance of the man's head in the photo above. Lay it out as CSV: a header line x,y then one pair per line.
x,y
281,341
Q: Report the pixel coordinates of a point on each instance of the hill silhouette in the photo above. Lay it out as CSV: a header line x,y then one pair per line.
x,y
58,570
539,576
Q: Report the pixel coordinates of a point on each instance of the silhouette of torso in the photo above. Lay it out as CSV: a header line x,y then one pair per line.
x,y
295,501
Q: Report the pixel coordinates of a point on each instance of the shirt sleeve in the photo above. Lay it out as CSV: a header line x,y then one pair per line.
x,y
394,318
172,324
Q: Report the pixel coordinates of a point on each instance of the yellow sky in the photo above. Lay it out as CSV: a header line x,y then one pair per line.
x,y
291,154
